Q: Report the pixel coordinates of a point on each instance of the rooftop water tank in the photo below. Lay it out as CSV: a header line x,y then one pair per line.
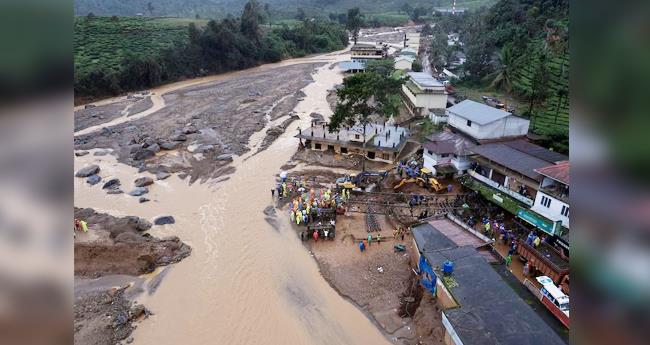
x,y
447,267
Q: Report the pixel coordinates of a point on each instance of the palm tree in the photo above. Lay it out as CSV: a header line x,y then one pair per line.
x,y
503,75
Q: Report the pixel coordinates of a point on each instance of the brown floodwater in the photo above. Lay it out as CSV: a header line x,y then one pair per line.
x,y
249,280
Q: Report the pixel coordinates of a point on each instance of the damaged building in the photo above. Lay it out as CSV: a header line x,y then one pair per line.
x,y
383,142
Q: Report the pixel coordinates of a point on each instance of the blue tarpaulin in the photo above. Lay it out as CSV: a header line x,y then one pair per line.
x,y
427,276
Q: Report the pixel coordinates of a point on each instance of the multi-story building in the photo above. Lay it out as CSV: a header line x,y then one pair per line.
x,y
362,52
552,199
447,153
423,92
508,174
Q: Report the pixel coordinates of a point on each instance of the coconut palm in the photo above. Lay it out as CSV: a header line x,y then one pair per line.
x,y
504,70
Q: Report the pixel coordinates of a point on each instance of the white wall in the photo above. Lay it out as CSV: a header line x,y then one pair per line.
x,y
431,160
438,119
506,127
554,211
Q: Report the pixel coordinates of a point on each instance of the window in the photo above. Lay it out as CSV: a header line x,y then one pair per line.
x,y
469,123
455,155
356,136
546,202
344,150
385,156
444,155
429,152
317,146
565,211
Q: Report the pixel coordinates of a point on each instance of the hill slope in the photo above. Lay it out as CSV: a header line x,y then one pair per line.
x,y
220,8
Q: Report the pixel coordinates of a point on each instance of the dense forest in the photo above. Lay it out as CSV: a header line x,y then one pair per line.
x,y
519,47
202,48
281,9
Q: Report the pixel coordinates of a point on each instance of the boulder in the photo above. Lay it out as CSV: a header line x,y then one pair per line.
x,y
162,175
93,179
81,153
162,220
143,199
134,147
204,148
137,191
148,141
87,171
190,129
154,148
224,157
178,137
111,183
143,224
137,311
168,145
143,181
142,153
101,152
114,191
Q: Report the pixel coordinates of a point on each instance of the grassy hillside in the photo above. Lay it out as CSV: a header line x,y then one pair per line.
x,y
280,8
104,42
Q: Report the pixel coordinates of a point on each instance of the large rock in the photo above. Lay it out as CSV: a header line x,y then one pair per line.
x,y
143,225
143,181
162,220
168,145
224,157
87,171
111,183
81,153
137,191
114,191
178,137
143,199
142,153
204,148
190,129
162,175
93,179
154,148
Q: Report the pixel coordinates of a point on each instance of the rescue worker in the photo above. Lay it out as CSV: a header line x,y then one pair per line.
x,y
369,239
292,216
537,241
508,260
84,226
378,238
362,246
315,235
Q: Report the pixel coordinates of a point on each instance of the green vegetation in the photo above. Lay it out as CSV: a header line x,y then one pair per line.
x,y
281,8
114,55
104,42
519,48
374,91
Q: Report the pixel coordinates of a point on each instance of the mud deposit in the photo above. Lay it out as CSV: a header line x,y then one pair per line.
x,y
200,125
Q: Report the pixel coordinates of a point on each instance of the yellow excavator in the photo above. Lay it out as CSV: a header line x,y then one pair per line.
x,y
425,180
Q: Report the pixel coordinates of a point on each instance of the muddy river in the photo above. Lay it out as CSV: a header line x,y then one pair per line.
x,y
249,280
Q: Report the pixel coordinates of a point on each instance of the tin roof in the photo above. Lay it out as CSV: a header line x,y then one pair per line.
x,y
424,79
477,112
558,171
490,312
512,158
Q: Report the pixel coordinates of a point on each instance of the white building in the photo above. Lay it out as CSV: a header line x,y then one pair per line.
x,y
408,51
483,122
412,40
552,200
362,52
404,62
422,92
447,153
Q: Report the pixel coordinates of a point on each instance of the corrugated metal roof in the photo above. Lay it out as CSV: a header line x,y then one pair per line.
x,y
405,57
449,142
489,311
424,79
477,112
350,65
558,172
511,158
536,151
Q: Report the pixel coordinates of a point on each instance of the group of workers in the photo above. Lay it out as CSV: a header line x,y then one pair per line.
x,y
363,245
80,225
308,206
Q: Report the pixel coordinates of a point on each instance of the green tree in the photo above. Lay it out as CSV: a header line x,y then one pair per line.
x,y
364,95
407,8
417,66
300,15
251,18
504,71
383,67
354,22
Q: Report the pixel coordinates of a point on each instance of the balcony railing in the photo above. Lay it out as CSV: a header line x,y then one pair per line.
x,y
501,188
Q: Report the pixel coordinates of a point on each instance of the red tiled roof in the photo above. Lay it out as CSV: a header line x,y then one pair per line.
x,y
559,171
